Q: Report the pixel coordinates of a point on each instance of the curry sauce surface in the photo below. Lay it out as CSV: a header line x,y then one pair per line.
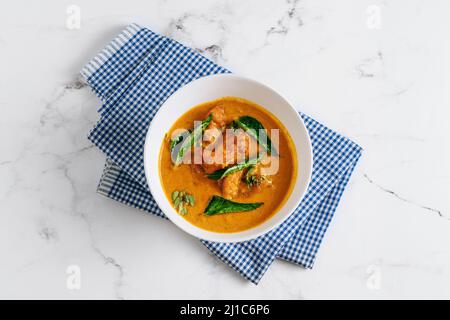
x,y
184,178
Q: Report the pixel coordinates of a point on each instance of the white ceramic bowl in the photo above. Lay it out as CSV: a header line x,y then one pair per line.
x,y
211,88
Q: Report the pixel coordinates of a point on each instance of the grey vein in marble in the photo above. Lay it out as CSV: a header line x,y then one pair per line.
x,y
179,30
49,109
75,200
53,116
48,233
283,24
365,68
213,51
107,259
399,197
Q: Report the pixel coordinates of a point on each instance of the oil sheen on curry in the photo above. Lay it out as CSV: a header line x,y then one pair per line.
x,y
227,165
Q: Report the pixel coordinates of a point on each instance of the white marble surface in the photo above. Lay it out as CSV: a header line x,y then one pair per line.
x,y
384,83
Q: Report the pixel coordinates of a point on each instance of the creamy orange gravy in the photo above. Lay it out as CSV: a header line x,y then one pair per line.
x,y
183,177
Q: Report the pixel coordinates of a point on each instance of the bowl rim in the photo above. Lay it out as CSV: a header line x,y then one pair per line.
x,y
204,234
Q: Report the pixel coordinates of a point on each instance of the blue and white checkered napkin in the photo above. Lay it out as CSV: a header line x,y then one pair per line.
x,y
133,76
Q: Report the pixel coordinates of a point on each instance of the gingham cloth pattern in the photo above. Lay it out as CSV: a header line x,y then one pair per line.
x,y
133,76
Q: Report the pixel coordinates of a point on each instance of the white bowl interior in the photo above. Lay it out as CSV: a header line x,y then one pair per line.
x,y
211,88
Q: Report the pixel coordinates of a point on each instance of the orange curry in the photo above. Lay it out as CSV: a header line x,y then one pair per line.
x,y
234,187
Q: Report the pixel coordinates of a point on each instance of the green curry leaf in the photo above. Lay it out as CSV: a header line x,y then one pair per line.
x,y
255,129
189,141
221,173
177,139
219,205
181,199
